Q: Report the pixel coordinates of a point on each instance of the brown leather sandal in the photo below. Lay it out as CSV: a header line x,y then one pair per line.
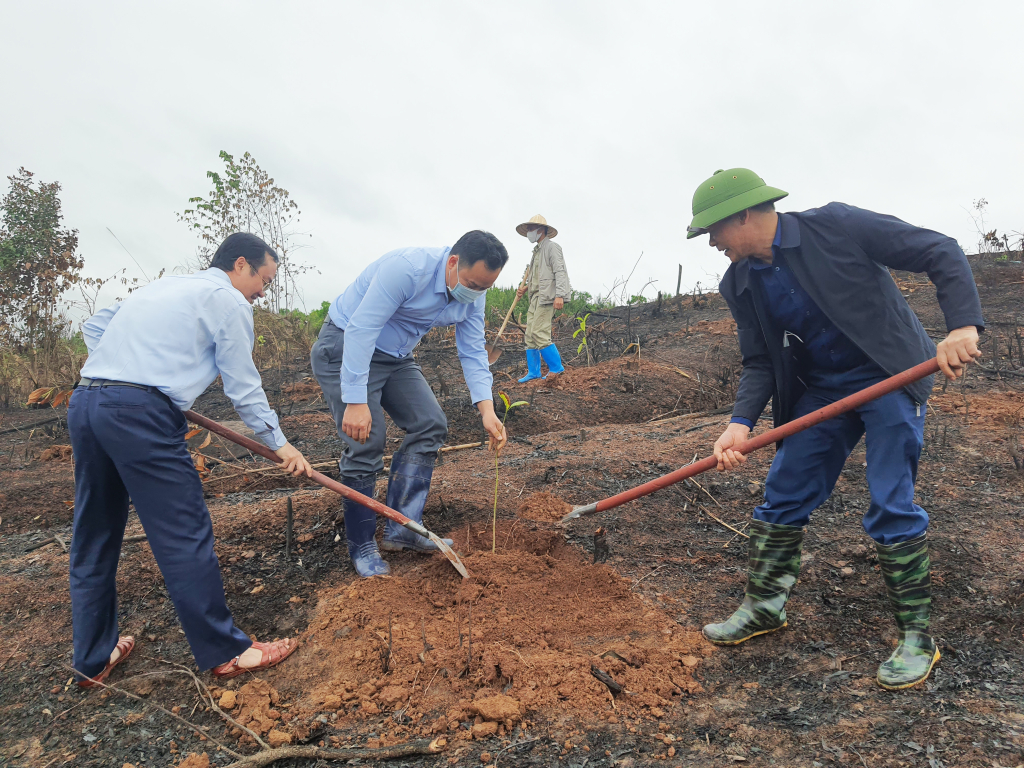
x,y
125,645
273,653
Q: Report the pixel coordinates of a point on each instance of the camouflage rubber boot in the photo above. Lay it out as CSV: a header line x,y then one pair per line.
x,y
771,573
907,572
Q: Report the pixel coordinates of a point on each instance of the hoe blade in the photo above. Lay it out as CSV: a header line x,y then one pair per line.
x,y
450,554
579,511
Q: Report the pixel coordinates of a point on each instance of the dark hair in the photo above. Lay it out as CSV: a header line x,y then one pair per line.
x,y
246,245
476,245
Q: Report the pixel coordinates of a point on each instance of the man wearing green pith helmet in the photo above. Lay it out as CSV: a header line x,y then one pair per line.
x,y
819,317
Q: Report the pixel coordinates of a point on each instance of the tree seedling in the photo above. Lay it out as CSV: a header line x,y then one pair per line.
x,y
509,405
582,330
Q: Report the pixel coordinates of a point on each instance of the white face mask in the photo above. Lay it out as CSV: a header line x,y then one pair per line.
x,y
533,235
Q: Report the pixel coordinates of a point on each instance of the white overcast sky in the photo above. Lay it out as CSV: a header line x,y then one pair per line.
x,y
408,123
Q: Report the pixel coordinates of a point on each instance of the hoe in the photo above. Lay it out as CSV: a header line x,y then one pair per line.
x,y
855,400
335,486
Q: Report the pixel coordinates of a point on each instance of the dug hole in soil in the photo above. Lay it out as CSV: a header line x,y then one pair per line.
x,y
514,643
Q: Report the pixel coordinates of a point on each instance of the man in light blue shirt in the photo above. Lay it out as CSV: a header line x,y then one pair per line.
x,y
363,361
150,356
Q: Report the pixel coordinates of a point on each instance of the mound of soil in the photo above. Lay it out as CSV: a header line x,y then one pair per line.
x,y
516,641
544,508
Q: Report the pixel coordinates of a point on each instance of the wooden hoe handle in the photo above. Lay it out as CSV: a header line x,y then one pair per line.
x,y
317,477
526,276
832,410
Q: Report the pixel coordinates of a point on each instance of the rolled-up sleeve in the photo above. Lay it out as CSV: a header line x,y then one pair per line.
x,y
233,342
93,328
469,339
384,295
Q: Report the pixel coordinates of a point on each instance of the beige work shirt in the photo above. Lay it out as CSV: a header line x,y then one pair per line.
x,y
548,276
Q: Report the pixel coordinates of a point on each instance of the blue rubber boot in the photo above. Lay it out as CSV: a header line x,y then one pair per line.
x,y
553,359
360,530
532,366
408,487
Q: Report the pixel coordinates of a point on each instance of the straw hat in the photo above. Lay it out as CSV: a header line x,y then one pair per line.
x,y
538,219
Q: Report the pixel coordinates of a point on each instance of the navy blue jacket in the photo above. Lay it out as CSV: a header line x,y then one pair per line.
x,y
842,260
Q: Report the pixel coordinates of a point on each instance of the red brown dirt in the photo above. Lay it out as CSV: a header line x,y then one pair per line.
x,y
544,507
527,625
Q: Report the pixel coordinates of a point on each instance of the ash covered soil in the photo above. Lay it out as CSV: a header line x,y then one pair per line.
x,y
502,665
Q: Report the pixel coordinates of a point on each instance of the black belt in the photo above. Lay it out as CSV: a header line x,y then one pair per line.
x,y
90,383
100,383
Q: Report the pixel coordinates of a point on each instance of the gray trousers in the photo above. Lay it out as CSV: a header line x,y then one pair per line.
x,y
395,385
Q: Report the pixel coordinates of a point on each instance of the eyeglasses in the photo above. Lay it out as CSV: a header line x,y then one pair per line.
x,y
266,283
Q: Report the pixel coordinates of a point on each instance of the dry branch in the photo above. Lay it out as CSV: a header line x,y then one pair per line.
x,y
718,520
711,514
33,425
207,696
268,756
167,712
327,463
715,412
40,544
605,678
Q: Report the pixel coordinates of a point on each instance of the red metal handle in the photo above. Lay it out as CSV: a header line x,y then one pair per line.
x,y
832,410
317,477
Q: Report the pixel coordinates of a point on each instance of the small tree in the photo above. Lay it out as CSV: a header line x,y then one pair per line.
x,y
38,263
245,198
509,405
583,330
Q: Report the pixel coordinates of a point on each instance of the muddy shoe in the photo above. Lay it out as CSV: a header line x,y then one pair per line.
x,y
408,486
774,564
360,530
906,569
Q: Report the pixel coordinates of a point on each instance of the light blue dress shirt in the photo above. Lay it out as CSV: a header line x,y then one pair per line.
x,y
392,304
177,334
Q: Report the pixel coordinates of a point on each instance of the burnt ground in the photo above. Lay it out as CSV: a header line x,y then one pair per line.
x,y
544,612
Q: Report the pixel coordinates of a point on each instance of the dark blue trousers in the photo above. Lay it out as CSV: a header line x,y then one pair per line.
x,y
808,464
130,442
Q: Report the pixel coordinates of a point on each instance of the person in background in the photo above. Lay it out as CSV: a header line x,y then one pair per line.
x,y
819,317
548,284
150,356
363,360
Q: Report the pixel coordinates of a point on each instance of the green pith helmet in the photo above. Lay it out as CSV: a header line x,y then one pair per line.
x,y
726,193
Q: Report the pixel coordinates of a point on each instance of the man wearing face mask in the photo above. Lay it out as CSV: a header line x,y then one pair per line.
x,y
364,363
549,290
